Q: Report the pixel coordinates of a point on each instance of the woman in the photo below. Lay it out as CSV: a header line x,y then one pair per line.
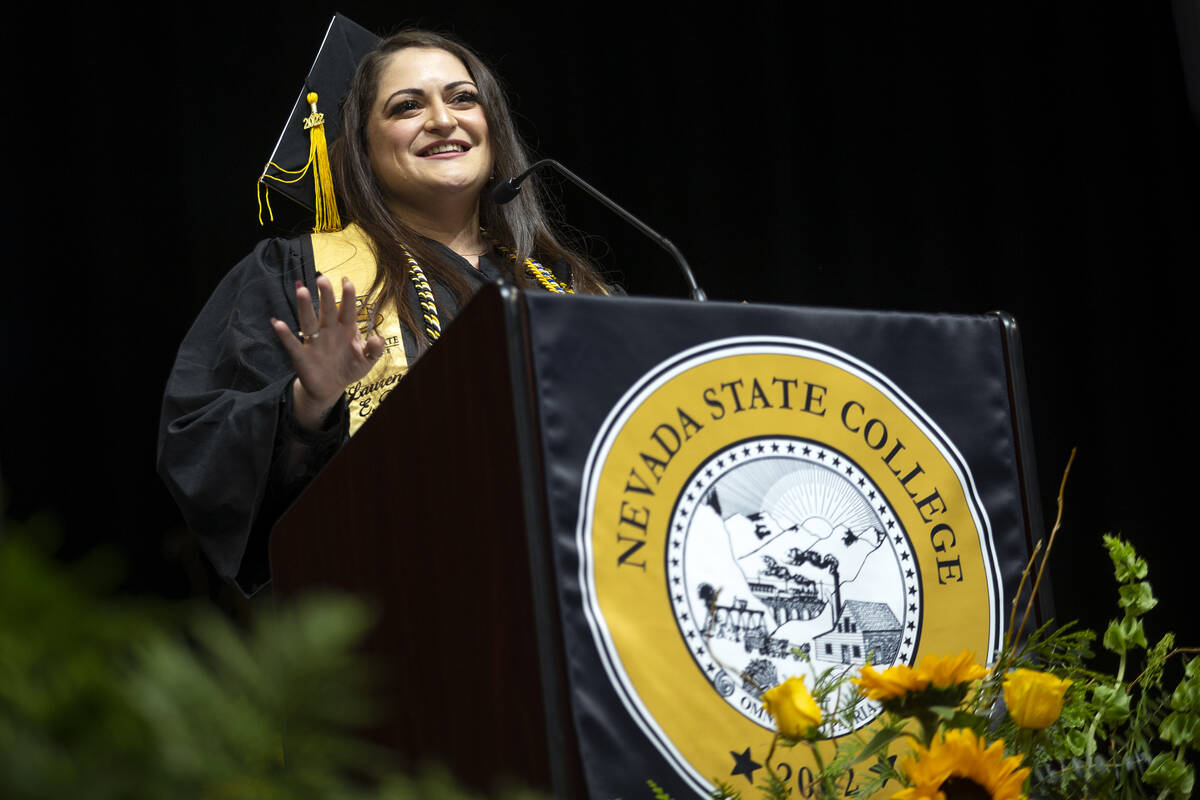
x,y
248,417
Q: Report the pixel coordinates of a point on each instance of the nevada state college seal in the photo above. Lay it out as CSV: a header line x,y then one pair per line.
x,y
760,508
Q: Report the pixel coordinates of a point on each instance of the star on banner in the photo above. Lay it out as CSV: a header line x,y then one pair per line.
x,y
744,765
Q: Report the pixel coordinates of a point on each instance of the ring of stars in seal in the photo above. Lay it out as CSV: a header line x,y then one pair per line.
x,y
857,496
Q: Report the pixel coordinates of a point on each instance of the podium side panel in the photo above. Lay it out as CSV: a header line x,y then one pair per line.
x,y
589,352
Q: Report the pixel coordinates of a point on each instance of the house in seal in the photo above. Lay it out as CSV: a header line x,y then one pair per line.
x,y
863,629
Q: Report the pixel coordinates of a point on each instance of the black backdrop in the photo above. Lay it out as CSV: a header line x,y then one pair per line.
x,y
1040,160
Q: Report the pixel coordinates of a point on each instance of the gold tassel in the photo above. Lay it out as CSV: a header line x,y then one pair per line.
x,y
318,159
259,194
318,156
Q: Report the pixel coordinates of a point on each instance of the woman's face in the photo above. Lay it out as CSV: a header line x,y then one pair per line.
x,y
427,134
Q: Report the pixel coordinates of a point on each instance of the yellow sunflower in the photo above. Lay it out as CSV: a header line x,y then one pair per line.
x,y
959,765
893,682
936,671
947,671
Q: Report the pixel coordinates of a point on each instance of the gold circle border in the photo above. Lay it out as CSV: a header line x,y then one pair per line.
x,y
646,387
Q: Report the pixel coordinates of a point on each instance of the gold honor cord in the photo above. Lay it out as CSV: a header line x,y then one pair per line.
x,y
324,202
539,273
542,275
433,326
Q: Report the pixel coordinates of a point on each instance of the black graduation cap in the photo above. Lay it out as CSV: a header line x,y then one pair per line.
x,y
294,162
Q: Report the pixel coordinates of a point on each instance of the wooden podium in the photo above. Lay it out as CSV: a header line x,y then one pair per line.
x,y
433,512
456,508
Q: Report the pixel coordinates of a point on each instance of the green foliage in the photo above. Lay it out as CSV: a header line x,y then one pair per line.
x,y
775,789
104,697
723,791
1171,775
1124,635
1181,727
1136,598
874,752
659,792
1128,566
1112,703
1105,743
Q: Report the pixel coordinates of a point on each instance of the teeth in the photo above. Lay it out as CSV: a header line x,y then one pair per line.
x,y
445,148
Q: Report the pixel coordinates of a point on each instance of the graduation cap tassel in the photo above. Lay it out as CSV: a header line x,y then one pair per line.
x,y
324,202
259,194
318,157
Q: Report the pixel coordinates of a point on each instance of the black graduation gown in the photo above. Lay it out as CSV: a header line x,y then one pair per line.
x,y
229,449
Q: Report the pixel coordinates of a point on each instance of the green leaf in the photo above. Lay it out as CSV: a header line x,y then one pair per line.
x,y
1186,696
1124,635
1112,702
1170,774
943,713
965,719
1137,598
878,743
1126,564
1181,730
1076,741
659,792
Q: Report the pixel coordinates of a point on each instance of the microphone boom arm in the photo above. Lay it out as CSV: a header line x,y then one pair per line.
x,y
506,190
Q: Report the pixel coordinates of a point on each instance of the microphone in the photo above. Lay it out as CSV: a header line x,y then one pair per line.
x,y
507,190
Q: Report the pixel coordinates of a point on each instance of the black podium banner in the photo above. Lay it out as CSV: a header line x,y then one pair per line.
x,y
726,484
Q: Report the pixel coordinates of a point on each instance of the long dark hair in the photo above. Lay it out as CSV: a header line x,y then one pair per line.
x,y
522,225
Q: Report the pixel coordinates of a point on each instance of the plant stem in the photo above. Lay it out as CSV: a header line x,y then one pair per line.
x,y
1012,617
827,791
1091,737
1062,488
770,753
929,726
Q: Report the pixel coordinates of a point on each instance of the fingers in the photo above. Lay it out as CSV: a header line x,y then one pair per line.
x,y
332,323
373,348
287,337
348,311
305,314
328,302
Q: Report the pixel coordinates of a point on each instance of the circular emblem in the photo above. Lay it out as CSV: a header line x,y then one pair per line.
x,y
786,559
762,508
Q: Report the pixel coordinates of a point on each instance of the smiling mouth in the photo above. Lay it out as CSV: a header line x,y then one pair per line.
x,y
445,147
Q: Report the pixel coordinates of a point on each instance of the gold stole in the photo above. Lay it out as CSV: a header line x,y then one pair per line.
x,y
347,254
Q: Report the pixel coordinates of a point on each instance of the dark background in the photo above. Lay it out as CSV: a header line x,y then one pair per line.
x,y
1039,160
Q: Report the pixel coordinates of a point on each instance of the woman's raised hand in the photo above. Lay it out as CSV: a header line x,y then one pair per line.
x,y
328,352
